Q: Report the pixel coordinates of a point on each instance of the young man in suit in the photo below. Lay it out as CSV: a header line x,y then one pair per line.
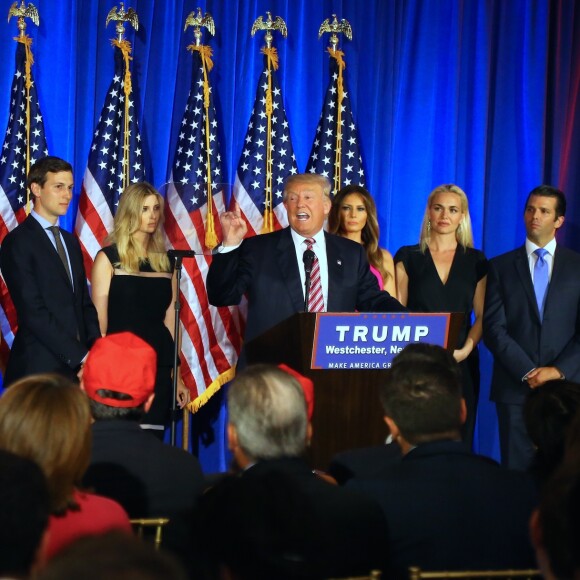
x,y
269,268
446,508
43,269
531,320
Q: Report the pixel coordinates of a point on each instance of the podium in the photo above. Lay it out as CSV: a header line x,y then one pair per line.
x,y
347,409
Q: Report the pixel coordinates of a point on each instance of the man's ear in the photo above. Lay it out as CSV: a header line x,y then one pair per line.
x,y
393,428
463,411
149,402
232,437
308,433
35,190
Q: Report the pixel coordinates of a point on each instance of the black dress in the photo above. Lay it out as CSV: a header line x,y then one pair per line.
x,y
427,293
138,304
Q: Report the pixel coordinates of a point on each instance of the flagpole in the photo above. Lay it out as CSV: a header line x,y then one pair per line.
x,y
272,65
22,12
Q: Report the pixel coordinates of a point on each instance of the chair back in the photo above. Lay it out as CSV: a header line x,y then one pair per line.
x,y
416,573
156,525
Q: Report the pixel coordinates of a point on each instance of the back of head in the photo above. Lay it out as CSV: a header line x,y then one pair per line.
x,y
426,352
267,408
548,412
112,556
424,399
119,376
46,418
25,507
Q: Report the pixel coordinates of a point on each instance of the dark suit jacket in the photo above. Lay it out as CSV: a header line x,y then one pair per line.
x,y
513,331
56,326
352,533
364,463
148,478
448,509
266,270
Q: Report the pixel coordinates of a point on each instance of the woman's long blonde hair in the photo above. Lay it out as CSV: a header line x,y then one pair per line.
x,y
464,234
369,234
127,222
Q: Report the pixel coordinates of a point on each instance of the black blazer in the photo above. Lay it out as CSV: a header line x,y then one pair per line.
x,y
448,509
265,269
56,326
513,331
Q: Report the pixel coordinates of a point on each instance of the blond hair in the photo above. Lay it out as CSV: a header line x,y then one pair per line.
x,y
127,222
312,178
47,418
463,234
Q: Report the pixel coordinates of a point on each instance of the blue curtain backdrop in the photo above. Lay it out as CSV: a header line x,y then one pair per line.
x,y
483,93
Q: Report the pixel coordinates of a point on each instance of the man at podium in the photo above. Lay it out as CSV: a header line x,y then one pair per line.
x,y
300,268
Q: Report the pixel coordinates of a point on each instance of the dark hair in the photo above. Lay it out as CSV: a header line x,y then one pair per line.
x,y
424,400
426,352
559,521
25,507
37,173
102,412
112,556
550,191
548,413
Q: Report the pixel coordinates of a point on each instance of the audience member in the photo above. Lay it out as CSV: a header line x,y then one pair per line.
x,y
25,507
268,432
371,462
129,464
548,413
112,556
446,508
46,418
555,526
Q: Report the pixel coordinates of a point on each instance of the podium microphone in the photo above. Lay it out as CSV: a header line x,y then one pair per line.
x,y
308,259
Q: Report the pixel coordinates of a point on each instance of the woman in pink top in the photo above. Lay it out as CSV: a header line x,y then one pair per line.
x,y
47,418
354,215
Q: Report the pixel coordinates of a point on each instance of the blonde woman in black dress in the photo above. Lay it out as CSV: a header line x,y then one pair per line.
x,y
444,273
134,289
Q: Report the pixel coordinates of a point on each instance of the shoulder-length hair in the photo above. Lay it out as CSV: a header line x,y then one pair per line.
x,y
127,222
464,234
47,418
369,234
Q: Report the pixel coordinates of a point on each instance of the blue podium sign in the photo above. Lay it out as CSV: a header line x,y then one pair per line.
x,y
370,340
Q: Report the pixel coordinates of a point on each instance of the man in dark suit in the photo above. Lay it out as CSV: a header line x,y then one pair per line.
x,y
531,321
129,464
44,272
268,432
446,508
269,268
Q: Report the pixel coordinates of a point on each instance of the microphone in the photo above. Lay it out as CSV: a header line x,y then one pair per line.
x,y
181,253
308,259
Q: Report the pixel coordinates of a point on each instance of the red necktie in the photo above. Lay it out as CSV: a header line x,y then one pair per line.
x,y
315,298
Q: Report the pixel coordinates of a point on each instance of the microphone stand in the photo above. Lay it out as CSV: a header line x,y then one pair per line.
x,y
308,259
178,256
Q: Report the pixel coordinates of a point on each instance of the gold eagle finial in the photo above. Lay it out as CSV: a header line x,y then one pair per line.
x,y
121,17
269,25
21,12
335,27
198,21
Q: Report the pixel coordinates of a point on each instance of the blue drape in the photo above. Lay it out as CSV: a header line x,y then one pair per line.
x,y
484,93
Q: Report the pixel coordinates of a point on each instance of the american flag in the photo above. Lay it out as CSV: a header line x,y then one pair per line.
x,y
105,178
210,336
18,142
335,154
251,187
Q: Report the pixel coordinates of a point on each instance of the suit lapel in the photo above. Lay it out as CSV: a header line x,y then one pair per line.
x,y
335,271
523,271
557,272
288,264
44,245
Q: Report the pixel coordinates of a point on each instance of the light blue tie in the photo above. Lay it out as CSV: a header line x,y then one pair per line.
x,y
541,279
